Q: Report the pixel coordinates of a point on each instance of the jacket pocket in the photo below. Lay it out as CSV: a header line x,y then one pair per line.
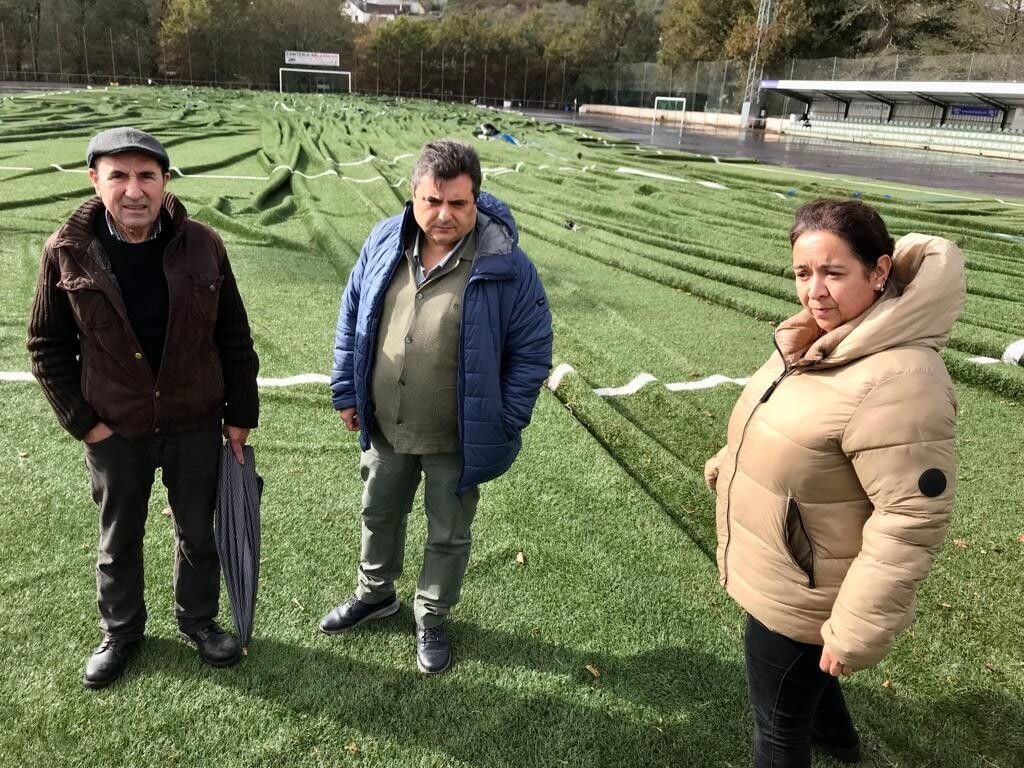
x,y
798,543
90,305
204,297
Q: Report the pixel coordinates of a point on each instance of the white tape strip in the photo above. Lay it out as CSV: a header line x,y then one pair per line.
x,y
1014,353
558,374
708,383
649,174
639,382
293,381
712,185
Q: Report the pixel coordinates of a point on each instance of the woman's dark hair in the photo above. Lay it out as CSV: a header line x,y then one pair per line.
x,y
856,223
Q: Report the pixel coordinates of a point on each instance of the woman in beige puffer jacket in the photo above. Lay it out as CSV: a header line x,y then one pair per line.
x,y
836,485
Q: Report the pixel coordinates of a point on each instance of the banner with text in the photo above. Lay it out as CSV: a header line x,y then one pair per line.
x,y
312,58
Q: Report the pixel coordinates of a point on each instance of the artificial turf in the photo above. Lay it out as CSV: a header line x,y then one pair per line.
x,y
644,274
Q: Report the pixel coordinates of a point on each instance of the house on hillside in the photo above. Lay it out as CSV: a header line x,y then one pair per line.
x,y
363,11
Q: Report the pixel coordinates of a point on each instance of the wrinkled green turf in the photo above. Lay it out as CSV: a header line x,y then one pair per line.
x,y
669,277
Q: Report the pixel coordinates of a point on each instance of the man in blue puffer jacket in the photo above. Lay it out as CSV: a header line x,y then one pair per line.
x,y
443,343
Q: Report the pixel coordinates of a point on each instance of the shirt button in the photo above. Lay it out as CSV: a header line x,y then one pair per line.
x,y
408,340
419,295
157,393
399,422
138,355
156,431
213,287
401,383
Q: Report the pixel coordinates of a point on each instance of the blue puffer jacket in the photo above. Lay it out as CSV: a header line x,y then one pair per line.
x,y
504,345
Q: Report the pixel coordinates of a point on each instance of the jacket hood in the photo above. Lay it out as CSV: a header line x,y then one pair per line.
x,y
496,229
924,297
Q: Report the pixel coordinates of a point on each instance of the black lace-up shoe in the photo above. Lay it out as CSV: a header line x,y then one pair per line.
x,y
843,745
216,647
433,650
354,612
108,661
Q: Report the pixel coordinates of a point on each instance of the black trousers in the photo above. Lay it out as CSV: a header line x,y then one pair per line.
x,y
790,696
122,473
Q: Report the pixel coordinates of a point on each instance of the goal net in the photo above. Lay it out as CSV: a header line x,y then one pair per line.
x,y
674,104
292,80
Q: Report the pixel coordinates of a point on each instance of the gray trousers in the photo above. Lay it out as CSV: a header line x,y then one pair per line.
x,y
390,481
122,473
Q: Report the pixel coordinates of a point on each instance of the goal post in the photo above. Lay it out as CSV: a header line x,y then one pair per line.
x,y
316,80
681,100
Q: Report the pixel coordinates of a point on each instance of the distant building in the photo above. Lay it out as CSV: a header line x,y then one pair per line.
x,y
363,11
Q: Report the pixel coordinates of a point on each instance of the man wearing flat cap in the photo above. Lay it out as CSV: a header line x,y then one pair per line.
x,y
140,342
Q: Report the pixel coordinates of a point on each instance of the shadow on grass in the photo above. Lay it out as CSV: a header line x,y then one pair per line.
x,y
508,700
515,699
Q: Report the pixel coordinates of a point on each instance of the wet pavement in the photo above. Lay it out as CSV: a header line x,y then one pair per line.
x,y
919,167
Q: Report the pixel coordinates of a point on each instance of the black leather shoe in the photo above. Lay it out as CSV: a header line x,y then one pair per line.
x,y
216,647
354,612
843,745
108,662
433,650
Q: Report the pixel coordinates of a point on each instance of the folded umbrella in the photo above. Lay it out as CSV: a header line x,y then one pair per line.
x,y
237,534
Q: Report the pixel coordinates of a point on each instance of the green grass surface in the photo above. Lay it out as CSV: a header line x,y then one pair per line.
x,y
671,278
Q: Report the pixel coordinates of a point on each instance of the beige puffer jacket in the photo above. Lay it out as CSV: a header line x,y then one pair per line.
x,y
836,485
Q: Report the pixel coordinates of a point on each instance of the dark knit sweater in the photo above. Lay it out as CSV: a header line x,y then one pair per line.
x,y
139,269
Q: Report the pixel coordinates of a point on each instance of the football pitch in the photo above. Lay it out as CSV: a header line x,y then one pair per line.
x,y
609,642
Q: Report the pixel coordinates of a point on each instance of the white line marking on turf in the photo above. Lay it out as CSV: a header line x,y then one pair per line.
x,y
639,382
1014,353
16,376
712,185
858,182
649,174
560,372
708,383
184,175
14,168
982,360
62,169
292,381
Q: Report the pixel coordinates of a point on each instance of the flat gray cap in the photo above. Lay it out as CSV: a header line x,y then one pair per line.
x,y
115,141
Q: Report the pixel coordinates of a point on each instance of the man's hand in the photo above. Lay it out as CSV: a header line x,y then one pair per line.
x,y
351,419
832,665
236,436
100,432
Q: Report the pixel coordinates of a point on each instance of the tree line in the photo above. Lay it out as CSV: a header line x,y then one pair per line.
x,y
520,50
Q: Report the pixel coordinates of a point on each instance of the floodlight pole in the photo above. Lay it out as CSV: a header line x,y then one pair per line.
x,y
85,52
544,97
765,14
526,73
60,60
113,63
561,96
